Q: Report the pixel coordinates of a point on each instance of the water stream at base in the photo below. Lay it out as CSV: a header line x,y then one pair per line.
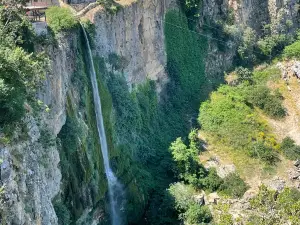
x,y
115,188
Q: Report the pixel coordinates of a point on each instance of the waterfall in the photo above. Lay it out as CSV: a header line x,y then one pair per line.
x,y
115,189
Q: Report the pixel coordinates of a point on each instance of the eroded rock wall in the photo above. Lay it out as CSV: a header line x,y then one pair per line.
x,y
135,32
29,172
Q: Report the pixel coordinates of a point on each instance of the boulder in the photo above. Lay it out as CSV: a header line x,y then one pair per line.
x,y
212,198
276,184
293,175
297,163
199,199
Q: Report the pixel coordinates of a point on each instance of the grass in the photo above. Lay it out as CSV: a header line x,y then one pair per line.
x,y
231,156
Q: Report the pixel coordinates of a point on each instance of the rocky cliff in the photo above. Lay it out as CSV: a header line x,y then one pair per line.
x,y
29,171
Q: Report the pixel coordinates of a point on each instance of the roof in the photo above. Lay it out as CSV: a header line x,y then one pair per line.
x,y
36,7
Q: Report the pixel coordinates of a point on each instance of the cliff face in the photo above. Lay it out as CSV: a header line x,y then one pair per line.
x,y
282,15
136,33
30,171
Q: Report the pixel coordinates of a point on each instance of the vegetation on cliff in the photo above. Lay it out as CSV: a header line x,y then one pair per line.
x,y
21,69
60,19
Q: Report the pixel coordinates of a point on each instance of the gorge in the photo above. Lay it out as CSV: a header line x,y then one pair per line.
x,y
99,112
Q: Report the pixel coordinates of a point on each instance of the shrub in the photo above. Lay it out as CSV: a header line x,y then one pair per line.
x,y
212,182
292,51
271,44
185,204
60,19
233,186
117,62
183,195
227,116
263,152
245,49
285,207
271,104
274,108
244,74
290,150
197,214
111,6
11,103
189,169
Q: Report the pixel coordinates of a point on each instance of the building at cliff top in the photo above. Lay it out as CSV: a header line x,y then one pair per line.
x,y
40,4
36,9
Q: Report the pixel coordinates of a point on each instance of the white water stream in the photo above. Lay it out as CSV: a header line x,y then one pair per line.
x,y
115,189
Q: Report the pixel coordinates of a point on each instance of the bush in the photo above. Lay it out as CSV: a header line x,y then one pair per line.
x,y
189,169
185,204
292,51
11,103
263,152
197,214
111,6
285,207
212,182
244,74
269,103
233,186
60,19
290,150
183,195
227,116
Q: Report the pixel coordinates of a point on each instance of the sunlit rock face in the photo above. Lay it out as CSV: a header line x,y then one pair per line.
x,y
135,32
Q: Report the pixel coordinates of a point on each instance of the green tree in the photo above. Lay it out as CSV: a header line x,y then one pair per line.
x,y
197,214
271,104
60,19
228,116
246,48
189,169
21,70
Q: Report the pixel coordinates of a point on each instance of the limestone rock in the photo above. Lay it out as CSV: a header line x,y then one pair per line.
x,y
276,184
212,198
199,199
297,163
294,174
222,170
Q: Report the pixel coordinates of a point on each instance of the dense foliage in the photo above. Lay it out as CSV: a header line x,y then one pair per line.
x,y
290,149
227,116
21,70
293,50
233,186
230,115
271,207
194,178
271,104
60,19
189,210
